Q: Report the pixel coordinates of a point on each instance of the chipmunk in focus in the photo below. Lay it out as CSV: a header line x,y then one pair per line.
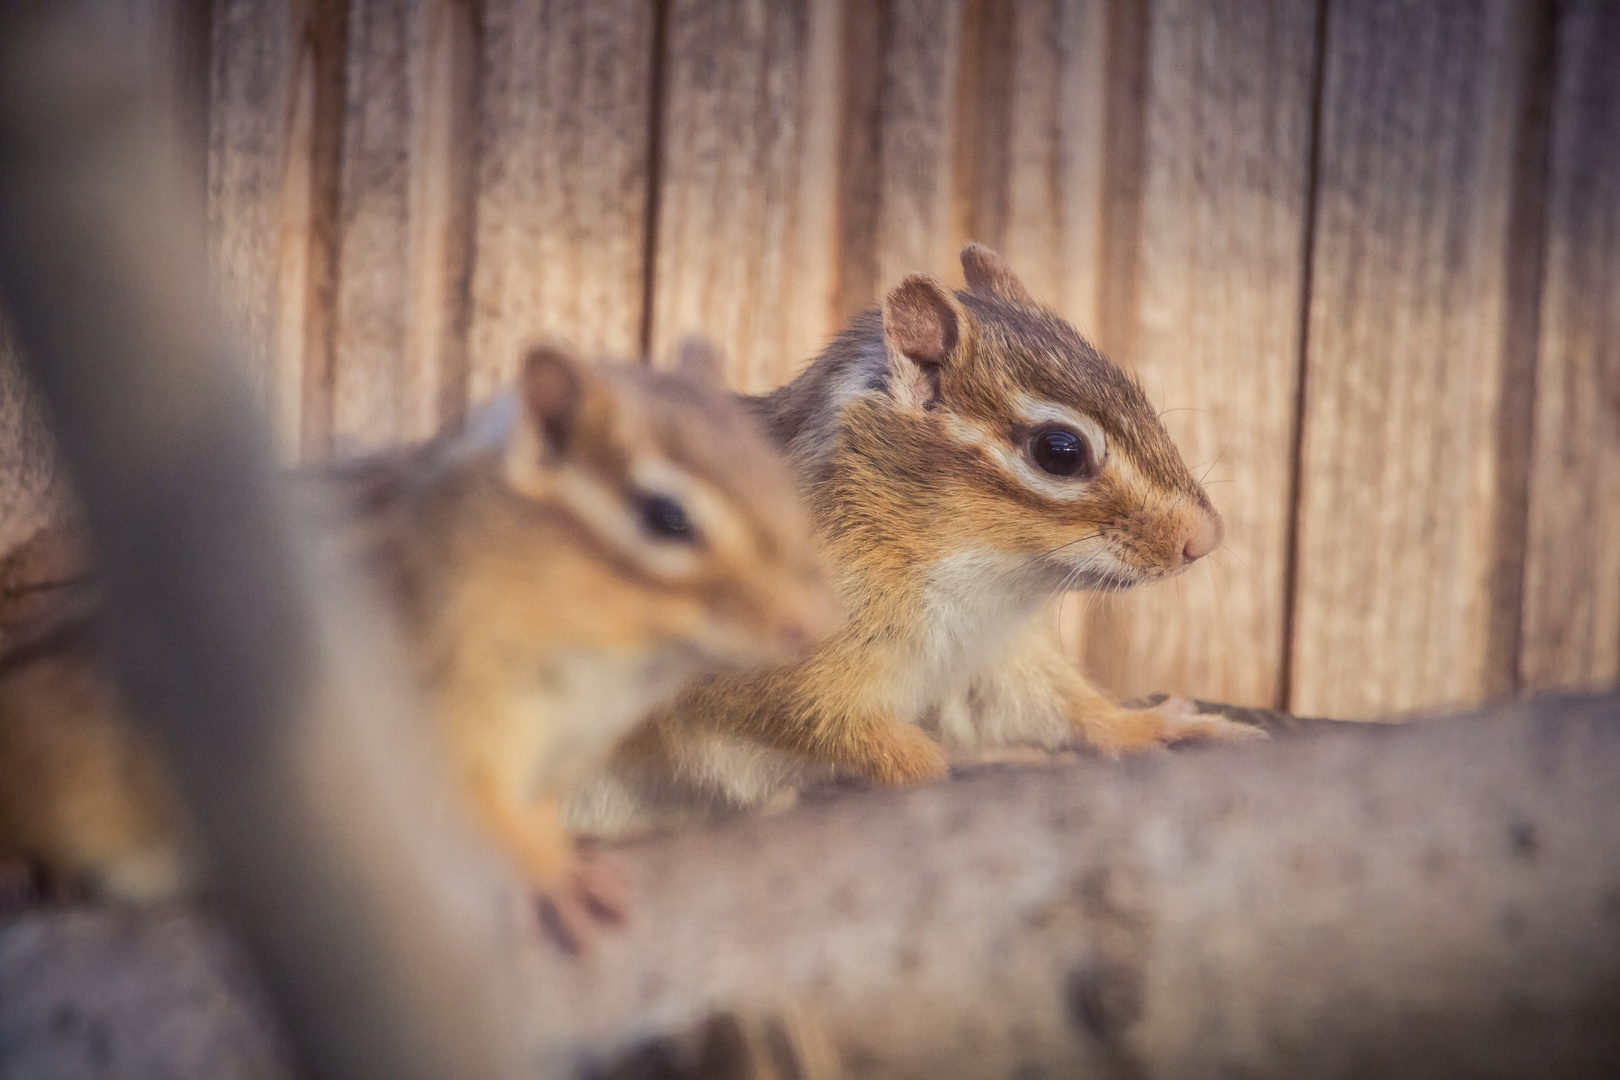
x,y
968,457
595,538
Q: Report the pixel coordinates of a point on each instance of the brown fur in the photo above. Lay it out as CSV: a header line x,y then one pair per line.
x,y
908,433
542,616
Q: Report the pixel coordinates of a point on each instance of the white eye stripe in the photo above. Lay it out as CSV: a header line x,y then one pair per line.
x,y
711,513
618,522
1013,459
1038,413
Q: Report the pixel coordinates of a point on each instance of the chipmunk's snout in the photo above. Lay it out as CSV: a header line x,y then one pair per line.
x,y
804,616
1204,537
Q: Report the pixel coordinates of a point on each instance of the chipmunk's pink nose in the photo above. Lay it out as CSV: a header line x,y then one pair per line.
x,y
1205,538
806,619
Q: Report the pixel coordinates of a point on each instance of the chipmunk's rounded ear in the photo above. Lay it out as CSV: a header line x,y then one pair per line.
x,y
560,393
988,272
698,359
923,321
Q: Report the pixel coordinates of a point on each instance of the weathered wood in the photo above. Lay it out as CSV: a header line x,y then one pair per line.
x,y
1220,284
745,245
1431,901
1571,629
916,144
408,165
1406,354
1030,155
275,121
564,127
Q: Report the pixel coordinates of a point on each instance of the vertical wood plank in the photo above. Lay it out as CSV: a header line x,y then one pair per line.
x,y
398,366
1048,217
745,245
1183,255
917,143
1032,166
1029,148
1405,362
275,120
1215,334
564,122
1571,627
900,188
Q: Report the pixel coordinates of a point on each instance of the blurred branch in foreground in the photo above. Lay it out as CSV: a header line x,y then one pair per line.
x,y
273,689
1432,900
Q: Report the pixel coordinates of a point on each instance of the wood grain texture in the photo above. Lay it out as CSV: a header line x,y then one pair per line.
x,y
275,117
916,144
905,170
1031,161
1030,155
564,130
1571,629
408,166
746,247
1405,355
1216,335
1202,913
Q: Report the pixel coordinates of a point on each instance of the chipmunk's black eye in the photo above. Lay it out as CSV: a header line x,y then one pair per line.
x,y
666,519
1062,452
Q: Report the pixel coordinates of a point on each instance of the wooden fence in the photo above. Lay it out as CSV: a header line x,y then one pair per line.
x,y
1365,254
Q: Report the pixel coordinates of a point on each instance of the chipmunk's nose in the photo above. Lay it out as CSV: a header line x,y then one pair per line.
x,y
1205,537
805,618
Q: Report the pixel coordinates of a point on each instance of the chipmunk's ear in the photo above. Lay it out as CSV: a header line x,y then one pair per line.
x,y
988,272
925,327
562,398
923,321
698,359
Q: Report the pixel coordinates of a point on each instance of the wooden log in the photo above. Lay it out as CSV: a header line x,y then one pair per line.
x,y
1429,901
1571,606
1410,358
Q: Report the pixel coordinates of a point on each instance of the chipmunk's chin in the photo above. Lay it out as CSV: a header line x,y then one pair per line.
x,y
1106,572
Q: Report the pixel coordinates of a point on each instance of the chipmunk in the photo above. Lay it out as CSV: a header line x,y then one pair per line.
x,y
968,457
595,538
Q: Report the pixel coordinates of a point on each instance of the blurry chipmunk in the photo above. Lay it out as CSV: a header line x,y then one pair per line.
x,y
967,457
595,539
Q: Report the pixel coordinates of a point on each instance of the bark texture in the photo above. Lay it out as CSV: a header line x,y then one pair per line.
x,y
1436,899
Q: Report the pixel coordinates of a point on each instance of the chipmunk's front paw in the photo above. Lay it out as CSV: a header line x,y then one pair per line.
x,y
905,755
592,892
1116,729
1182,720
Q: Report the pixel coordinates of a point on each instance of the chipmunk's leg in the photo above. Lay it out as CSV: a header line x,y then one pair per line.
x,y
816,722
1104,724
575,889
881,748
